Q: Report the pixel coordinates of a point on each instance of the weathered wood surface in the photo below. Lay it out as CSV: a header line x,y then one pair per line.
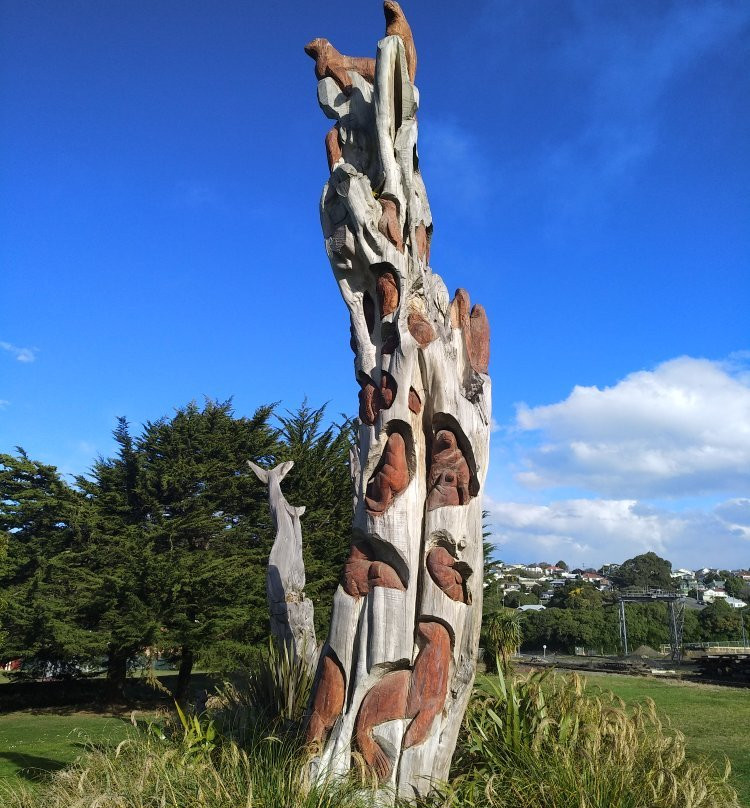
x,y
397,668
291,613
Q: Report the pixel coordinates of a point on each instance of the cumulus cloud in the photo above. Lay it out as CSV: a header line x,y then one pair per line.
x,y
682,429
21,354
594,532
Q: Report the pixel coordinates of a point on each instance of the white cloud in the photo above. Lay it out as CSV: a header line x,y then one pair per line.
x,y
593,532
21,354
4,403
682,429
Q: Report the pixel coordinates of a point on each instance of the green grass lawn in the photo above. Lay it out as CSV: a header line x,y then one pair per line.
x,y
32,743
715,720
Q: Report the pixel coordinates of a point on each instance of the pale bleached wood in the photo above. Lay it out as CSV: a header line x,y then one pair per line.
x,y
291,613
382,629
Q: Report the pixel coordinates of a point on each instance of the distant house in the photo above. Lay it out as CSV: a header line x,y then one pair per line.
x,y
710,594
531,607
735,603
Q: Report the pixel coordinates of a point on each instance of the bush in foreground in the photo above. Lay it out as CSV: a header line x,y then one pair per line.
x,y
544,741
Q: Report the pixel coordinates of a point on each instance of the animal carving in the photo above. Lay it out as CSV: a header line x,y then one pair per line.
x,y
420,329
333,147
328,701
362,573
387,290
396,25
423,243
329,63
372,399
389,225
442,568
475,326
391,477
448,481
418,694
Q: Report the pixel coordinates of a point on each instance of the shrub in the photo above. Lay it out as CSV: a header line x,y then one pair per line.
x,y
542,741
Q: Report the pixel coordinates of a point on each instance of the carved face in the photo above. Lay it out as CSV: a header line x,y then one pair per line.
x,y
314,48
445,440
392,11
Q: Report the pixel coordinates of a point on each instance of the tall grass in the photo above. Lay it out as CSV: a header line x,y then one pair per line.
x,y
147,772
543,741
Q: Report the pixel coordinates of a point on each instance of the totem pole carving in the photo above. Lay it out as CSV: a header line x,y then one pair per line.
x,y
396,671
292,622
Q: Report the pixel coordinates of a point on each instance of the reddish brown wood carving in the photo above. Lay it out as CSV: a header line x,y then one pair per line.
x,y
475,326
391,477
397,25
372,399
418,694
328,702
415,402
329,63
362,573
387,290
384,702
333,147
442,568
448,482
388,224
423,242
420,329
429,681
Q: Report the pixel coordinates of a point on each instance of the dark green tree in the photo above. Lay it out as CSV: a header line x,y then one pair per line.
x,y
207,526
720,622
647,571
46,526
576,595
116,582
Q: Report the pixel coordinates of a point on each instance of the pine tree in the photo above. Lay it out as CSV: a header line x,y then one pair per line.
x,y
208,529
45,524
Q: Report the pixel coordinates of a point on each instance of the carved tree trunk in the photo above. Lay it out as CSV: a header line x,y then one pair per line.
x,y
397,669
292,623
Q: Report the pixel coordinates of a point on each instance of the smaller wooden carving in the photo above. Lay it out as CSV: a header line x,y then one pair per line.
x,y
429,681
328,701
387,290
420,329
415,402
333,147
475,326
391,477
418,694
448,482
363,573
396,25
442,568
389,225
372,399
329,63
423,243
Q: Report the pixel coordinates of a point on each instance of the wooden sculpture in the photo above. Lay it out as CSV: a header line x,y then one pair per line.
x,y
398,666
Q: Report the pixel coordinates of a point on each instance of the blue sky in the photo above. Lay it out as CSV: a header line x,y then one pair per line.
x,y
587,166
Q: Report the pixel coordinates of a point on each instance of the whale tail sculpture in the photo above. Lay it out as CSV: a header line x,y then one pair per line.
x,y
291,612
